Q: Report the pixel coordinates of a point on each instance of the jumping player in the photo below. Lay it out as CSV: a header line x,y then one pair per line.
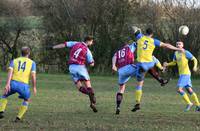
x,y
181,59
122,62
19,72
79,56
145,47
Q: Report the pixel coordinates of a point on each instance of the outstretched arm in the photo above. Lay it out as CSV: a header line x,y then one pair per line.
x,y
59,46
173,63
171,47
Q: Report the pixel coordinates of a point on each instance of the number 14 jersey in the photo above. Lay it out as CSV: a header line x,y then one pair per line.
x,y
22,67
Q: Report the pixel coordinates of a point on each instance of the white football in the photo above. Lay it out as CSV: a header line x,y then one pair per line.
x,y
184,30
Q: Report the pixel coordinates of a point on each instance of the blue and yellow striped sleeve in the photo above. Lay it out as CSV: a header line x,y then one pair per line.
x,y
33,68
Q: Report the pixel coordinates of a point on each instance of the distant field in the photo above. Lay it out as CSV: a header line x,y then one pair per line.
x,y
59,106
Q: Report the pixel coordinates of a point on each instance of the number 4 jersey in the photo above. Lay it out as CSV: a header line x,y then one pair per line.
x,y
22,68
79,53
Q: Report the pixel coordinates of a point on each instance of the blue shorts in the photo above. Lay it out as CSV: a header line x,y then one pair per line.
x,y
142,68
125,73
21,88
184,81
79,73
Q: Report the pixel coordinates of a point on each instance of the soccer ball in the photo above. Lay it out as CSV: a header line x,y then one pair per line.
x,y
184,30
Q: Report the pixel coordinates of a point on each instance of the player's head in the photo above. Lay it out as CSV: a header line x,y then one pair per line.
x,y
88,40
179,44
25,51
149,32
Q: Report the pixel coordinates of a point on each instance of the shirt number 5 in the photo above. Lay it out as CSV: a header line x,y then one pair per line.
x,y
145,45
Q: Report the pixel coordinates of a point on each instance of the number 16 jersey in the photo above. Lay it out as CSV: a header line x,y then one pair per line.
x,y
22,68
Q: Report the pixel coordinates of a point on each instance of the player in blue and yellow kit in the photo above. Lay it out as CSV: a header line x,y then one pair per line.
x,y
19,72
181,60
145,47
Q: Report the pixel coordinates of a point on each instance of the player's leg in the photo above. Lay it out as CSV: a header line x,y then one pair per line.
x,y
91,95
24,93
119,97
76,74
182,83
3,104
22,110
153,72
140,74
3,98
194,98
185,98
124,74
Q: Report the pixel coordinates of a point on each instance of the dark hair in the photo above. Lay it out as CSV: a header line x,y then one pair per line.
x,y
25,51
88,38
149,31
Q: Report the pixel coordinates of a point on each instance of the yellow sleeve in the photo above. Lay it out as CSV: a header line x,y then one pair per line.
x,y
159,65
173,63
195,62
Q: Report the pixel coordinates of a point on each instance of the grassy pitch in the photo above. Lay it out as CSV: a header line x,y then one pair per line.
x,y
59,106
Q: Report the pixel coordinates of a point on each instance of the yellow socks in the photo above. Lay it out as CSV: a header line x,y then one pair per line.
x,y
186,98
3,103
138,94
22,110
195,99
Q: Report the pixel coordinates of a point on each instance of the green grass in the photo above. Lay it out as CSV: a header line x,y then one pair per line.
x,y
59,106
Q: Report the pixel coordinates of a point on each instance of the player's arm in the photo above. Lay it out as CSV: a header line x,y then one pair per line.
x,y
195,63
33,77
114,59
65,44
9,77
89,57
171,47
59,46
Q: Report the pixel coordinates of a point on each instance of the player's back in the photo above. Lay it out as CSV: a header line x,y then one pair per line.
x,y
22,67
78,54
124,57
145,48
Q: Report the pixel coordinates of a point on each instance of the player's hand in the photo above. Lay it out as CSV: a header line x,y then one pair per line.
x,y
7,89
49,48
164,69
195,69
34,91
114,68
165,64
92,64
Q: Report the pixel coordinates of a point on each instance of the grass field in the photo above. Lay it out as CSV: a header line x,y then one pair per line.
x,y
59,106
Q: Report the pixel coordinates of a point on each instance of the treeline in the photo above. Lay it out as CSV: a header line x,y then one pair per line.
x,y
106,20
